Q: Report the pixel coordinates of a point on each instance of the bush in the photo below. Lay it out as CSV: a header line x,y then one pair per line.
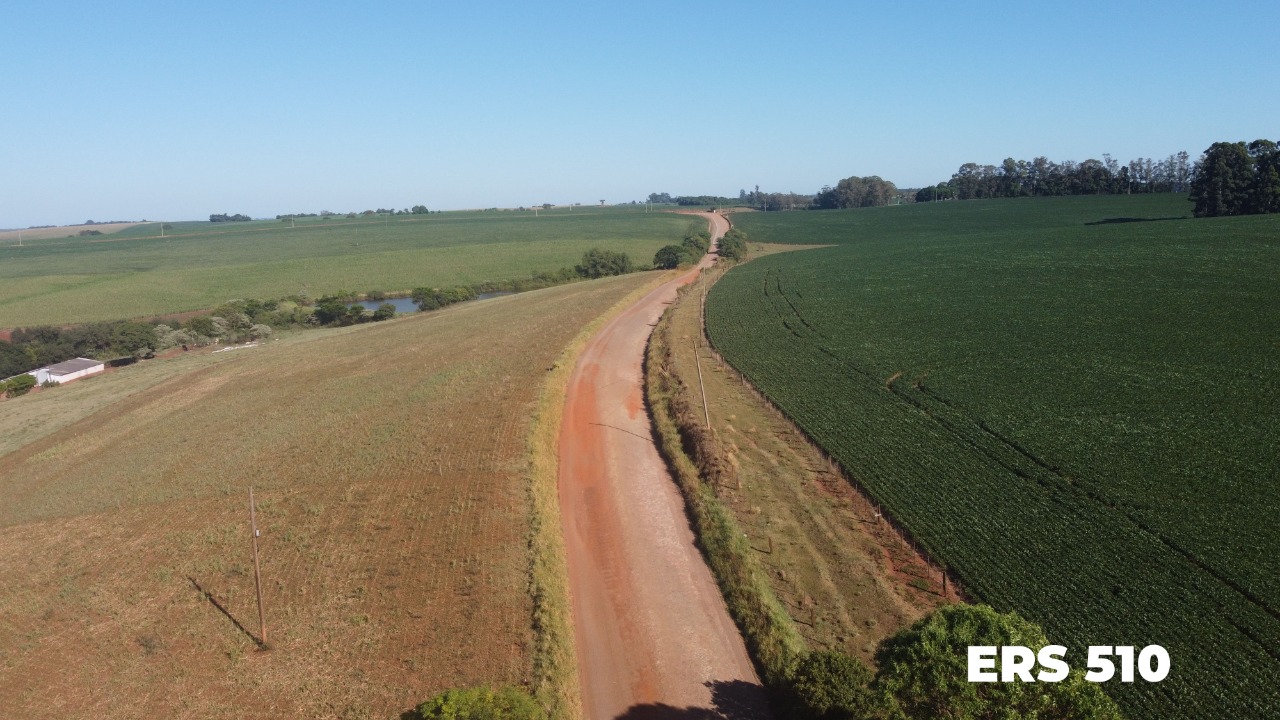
x,y
671,256
506,703
436,298
733,245
832,686
924,672
19,385
385,311
597,263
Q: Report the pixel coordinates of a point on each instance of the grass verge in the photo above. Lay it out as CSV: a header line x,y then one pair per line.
x,y
692,452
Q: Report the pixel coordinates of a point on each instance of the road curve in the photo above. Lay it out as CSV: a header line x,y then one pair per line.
x,y
651,629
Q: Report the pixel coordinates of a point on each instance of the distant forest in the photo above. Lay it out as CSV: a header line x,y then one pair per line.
x,y
1230,178
1042,177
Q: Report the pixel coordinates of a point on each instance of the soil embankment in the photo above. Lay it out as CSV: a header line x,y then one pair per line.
x,y
651,628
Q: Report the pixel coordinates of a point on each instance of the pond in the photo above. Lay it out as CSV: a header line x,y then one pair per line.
x,y
406,305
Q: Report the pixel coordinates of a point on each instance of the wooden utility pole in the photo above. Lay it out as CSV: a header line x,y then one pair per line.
x,y
257,572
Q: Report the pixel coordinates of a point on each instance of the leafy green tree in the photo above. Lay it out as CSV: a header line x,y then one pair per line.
x,y
597,263
385,311
733,245
134,338
829,685
201,325
14,360
671,256
330,310
506,703
1223,181
1265,195
924,672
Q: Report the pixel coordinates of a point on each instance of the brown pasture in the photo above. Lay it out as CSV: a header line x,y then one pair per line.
x,y
390,465
11,237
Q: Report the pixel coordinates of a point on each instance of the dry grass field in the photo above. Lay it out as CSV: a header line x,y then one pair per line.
x,y
14,237
390,464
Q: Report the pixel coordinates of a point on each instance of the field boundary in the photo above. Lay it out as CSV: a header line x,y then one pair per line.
x,y
555,660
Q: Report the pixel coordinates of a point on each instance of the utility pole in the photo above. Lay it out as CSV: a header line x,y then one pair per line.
x,y
257,573
706,412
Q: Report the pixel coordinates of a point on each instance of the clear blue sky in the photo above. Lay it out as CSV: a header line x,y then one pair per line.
x,y
177,110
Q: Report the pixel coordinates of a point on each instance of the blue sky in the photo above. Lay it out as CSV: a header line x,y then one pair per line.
x,y
178,110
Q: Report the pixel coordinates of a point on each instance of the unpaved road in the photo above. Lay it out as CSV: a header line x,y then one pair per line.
x,y
653,636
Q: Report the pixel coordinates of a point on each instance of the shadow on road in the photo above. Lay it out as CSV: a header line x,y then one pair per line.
x,y
733,700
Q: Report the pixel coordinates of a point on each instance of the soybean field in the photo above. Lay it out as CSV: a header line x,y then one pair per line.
x,y
1074,403
159,268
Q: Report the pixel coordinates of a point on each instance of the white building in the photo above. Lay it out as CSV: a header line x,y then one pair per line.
x,y
68,370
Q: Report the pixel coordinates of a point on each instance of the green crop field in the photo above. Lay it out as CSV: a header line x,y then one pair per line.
x,y
137,273
1073,402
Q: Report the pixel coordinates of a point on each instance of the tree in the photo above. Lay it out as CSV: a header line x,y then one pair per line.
x,y
330,310
597,263
1265,195
661,198
733,245
14,360
134,338
671,256
385,311
1224,180
924,672
829,685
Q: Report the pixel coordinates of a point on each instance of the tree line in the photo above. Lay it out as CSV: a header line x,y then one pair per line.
x,y
1042,177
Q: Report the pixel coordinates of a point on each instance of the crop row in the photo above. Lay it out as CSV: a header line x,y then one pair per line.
x,y
929,403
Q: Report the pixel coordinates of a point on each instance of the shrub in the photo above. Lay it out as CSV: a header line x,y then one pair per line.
x,y
924,672
832,686
597,263
671,256
385,311
506,703
19,385
733,245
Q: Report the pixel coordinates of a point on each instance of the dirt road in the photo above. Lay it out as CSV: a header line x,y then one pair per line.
x,y
653,636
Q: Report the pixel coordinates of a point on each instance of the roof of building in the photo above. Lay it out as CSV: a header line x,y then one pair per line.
x,y
66,367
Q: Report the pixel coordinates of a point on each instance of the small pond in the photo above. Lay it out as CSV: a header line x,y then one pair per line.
x,y
406,305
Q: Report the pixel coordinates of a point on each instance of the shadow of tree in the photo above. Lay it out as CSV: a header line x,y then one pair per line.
x,y
730,700
1115,220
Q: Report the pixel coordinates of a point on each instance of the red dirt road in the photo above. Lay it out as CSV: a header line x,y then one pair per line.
x,y
651,629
